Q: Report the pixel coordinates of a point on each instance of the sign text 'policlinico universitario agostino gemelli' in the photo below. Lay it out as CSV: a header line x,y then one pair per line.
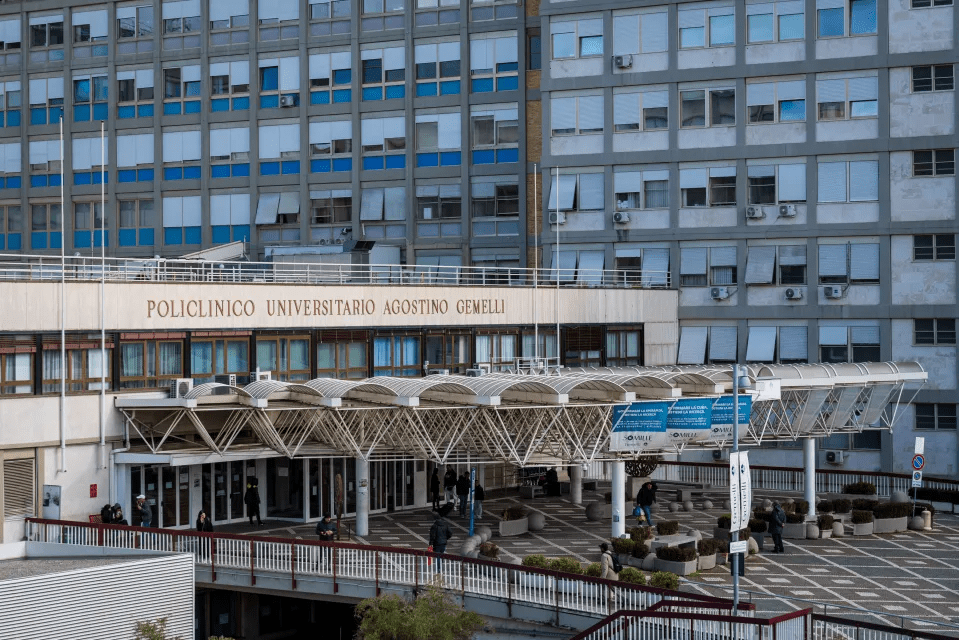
x,y
656,425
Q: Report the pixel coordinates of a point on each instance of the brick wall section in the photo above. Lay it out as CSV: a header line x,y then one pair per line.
x,y
532,79
534,130
534,220
532,7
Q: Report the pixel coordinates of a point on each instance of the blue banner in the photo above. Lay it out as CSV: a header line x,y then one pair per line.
x,y
639,425
722,427
670,424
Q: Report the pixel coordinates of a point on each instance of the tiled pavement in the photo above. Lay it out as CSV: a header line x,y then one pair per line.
x,y
914,574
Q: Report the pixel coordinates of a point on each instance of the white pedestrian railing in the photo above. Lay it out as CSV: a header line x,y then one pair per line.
x,y
833,628
681,623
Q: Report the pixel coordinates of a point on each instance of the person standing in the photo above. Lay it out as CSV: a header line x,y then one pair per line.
x,y
435,488
552,482
203,523
608,569
252,500
776,523
478,496
449,485
463,492
440,532
326,529
645,499
144,511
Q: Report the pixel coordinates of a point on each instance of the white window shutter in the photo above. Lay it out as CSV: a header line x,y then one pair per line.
x,y
591,112
864,181
562,113
864,262
792,183
655,32
760,262
220,210
761,345
692,261
692,345
173,212
793,343
625,34
723,343
832,260
626,108
591,191
832,182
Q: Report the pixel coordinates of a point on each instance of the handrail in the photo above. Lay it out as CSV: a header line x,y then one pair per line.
x,y
653,624
891,633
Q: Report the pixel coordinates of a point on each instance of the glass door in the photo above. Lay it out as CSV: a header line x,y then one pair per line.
x,y
236,491
221,495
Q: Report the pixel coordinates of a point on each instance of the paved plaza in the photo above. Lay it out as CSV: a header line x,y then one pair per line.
x,y
913,574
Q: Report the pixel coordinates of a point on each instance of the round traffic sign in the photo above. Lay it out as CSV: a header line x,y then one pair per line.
x,y
918,461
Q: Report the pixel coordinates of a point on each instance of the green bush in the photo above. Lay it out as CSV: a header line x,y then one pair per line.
x,y
676,554
667,527
623,545
862,517
515,513
722,546
707,546
824,506
864,504
935,495
860,489
825,522
630,575
802,507
758,526
566,565
594,570
724,521
536,560
795,518
788,507
664,580
842,505
640,550
892,510
640,534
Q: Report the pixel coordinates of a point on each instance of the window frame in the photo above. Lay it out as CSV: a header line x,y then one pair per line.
x,y
707,28
945,241
219,348
931,332
711,277
78,350
385,17
777,26
848,23
936,167
404,368
145,223
150,378
342,368
144,28
948,81
708,108
934,411
333,20
283,347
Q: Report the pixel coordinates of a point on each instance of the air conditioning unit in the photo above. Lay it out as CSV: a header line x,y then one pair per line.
x,y
557,217
227,379
180,387
323,241
340,240
755,212
475,373
721,454
438,372
623,62
719,293
793,294
620,217
256,376
832,291
288,101
787,211
835,457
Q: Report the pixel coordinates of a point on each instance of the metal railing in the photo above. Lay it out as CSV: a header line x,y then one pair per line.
x,y
46,268
656,624
833,628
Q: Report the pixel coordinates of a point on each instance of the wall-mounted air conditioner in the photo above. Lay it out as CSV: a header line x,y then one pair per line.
x,y
620,217
256,376
438,372
623,62
832,291
557,217
229,379
288,101
719,293
474,373
835,456
794,294
180,387
755,212
787,211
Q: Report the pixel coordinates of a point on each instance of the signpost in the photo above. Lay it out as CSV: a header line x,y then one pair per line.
x,y
740,490
918,462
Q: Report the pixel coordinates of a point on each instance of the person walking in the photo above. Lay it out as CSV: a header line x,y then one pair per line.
x,y
608,569
326,529
552,482
449,485
776,523
440,532
144,511
203,523
645,499
435,488
463,492
478,496
252,500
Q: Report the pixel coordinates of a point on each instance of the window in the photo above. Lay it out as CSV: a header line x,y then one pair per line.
x,y
534,50
388,204
708,187
90,97
396,355
384,73
494,134
447,349
776,183
922,4
641,189
837,18
181,24
279,82
135,157
439,211
331,146
775,22
935,416
11,227
693,23
90,34
939,331
331,77
624,347
699,345
279,19
870,440
46,38
46,226
342,354
137,222
545,347
936,162
181,90
135,93
10,168
783,265
438,140
45,163
331,207
576,38
934,247
16,365
277,210
843,99
135,28
279,149
577,192
933,78
494,206
230,217
493,63
706,266
182,220
46,100
384,143
787,344
585,267
10,102
576,115
329,17
489,9
782,101
229,22
849,344
849,263
212,357
230,153
503,268
10,43
854,181
86,369
640,111
437,69
643,32
721,104
229,86
88,225
497,350
150,364
382,14
181,155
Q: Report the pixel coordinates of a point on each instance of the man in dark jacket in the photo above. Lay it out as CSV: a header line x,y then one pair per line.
x,y
449,485
478,496
463,492
440,533
776,523
326,529
435,488
645,498
252,500
144,510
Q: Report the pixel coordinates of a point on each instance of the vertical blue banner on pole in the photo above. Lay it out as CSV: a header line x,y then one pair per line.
x,y
472,506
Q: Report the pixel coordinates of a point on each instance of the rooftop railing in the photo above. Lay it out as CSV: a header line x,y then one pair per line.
x,y
74,268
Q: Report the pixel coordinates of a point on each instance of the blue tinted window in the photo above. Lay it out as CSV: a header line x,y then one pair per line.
x,y
830,23
862,17
792,110
792,27
269,79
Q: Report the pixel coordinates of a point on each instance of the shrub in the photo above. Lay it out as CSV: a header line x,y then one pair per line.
x,y
667,527
892,510
630,575
795,518
760,514
623,545
824,506
758,526
722,546
664,580
594,570
788,507
935,495
825,522
640,550
676,554
724,521
864,504
640,534
536,560
489,550
924,506
860,489
842,505
515,513
707,547
566,565
862,517
802,507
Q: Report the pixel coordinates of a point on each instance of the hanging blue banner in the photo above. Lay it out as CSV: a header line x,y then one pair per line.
x,y
669,424
722,428
639,426
689,420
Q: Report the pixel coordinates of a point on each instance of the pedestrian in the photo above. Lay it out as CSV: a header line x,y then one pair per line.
x,y
608,568
478,496
435,488
144,511
326,529
552,482
203,523
645,499
440,532
463,492
106,514
449,485
117,515
252,500
776,523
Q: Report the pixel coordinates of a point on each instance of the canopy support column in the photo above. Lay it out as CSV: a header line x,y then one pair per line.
x,y
576,483
619,498
809,464
362,497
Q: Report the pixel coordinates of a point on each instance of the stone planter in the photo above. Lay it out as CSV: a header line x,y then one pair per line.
x,y
679,568
812,531
599,511
707,562
794,531
649,562
759,538
513,527
825,533
720,534
838,530
722,558
862,529
890,525
634,561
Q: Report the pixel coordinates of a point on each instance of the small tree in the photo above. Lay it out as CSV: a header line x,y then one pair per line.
x,y
431,616
152,630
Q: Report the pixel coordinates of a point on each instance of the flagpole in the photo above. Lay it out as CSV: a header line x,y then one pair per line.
x,y
558,360
103,277
63,319
535,268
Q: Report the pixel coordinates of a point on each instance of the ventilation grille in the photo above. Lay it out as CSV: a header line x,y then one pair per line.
x,y
19,488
